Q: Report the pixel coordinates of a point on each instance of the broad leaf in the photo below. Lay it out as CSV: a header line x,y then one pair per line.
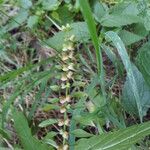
x,y
98,9
129,38
25,3
118,140
79,29
50,4
48,122
24,132
128,66
143,61
81,133
32,21
119,20
128,99
17,20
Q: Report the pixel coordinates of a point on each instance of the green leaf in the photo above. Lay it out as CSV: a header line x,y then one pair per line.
x,y
63,15
98,9
25,3
128,99
81,133
48,122
129,38
50,4
128,66
24,132
143,61
119,20
18,20
118,140
147,20
126,7
85,7
79,29
32,21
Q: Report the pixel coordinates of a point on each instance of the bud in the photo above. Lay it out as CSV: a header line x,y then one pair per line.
x,y
69,75
60,122
65,135
65,99
70,46
90,106
64,57
70,67
72,38
63,109
71,55
66,147
67,85
66,122
64,77
65,68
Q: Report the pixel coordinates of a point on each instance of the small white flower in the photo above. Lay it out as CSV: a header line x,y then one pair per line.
x,y
71,55
71,66
66,147
69,74
72,38
63,110
64,57
65,68
64,77
60,122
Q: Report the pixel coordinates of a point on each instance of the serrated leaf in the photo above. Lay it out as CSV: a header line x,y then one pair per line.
x,y
24,132
48,122
118,140
143,61
81,133
128,99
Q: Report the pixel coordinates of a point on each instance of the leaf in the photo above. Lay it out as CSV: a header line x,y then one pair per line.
x,y
118,140
79,29
81,133
129,38
32,21
86,11
147,20
17,20
48,122
128,66
143,61
119,20
63,15
25,3
50,4
128,98
24,132
127,7
98,9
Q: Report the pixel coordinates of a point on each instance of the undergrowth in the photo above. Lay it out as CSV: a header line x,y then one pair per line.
x,y
74,74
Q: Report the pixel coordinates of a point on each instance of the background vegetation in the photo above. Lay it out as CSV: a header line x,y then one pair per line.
x,y
74,74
